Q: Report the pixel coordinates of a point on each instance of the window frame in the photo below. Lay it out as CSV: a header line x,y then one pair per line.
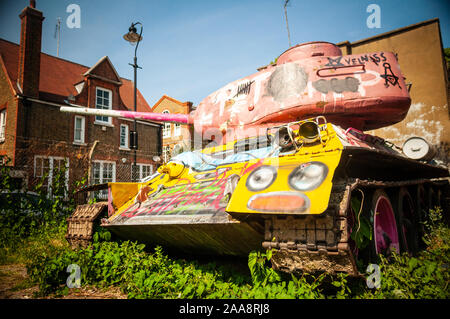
x,y
166,153
109,107
102,162
83,129
141,166
51,160
3,115
127,137
103,194
177,129
167,128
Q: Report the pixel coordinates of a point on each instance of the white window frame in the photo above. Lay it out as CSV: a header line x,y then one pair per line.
x,y
98,119
2,125
166,153
177,129
82,133
103,194
51,160
101,170
141,170
167,127
127,134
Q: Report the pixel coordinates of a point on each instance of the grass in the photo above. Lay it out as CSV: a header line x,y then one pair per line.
x,y
140,272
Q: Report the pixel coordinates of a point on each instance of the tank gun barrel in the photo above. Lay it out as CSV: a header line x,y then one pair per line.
x,y
160,117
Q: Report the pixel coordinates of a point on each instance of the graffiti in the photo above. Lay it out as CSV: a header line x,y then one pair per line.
x,y
337,85
187,199
198,198
244,88
389,76
366,58
334,62
340,61
287,80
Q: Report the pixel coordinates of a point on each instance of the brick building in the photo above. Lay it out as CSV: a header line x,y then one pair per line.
x,y
419,50
176,137
38,138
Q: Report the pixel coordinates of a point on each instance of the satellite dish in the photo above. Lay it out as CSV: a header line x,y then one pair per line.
x,y
156,158
418,148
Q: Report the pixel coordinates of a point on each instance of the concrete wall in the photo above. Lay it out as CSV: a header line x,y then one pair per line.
x,y
420,55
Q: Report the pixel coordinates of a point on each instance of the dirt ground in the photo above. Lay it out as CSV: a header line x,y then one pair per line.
x,y
14,285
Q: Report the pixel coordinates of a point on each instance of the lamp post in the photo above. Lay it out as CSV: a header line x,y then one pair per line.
x,y
134,39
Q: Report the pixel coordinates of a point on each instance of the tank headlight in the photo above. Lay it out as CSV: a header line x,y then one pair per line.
x,y
308,176
261,178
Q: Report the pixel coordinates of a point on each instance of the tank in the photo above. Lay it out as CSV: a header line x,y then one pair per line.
x,y
286,166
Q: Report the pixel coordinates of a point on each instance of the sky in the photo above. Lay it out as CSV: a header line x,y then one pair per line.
x,y
191,48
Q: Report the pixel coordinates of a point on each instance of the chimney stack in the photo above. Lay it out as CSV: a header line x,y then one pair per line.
x,y
30,50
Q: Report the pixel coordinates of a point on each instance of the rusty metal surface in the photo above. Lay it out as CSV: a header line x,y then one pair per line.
x,y
320,243
373,164
227,238
313,243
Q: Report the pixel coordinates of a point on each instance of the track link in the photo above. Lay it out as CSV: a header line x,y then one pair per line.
x,y
320,243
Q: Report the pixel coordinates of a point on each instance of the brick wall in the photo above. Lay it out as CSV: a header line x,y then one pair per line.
x,y
175,107
8,102
50,133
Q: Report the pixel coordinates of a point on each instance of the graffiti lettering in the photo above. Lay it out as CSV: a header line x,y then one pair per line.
x,y
337,85
334,62
183,199
389,76
366,58
244,88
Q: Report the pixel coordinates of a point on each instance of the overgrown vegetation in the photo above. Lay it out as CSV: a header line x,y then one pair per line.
x,y
32,217
33,234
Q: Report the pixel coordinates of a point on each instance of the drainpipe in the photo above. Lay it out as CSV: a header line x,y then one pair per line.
x,y
90,159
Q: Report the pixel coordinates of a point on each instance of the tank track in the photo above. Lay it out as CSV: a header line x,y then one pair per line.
x,y
320,243
80,225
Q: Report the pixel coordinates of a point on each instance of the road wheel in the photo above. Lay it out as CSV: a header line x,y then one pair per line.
x,y
407,220
384,226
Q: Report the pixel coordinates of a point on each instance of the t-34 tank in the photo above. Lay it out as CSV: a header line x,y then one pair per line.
x,y
289,168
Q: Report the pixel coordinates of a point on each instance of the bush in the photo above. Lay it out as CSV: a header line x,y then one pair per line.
x,y
423,276
25,214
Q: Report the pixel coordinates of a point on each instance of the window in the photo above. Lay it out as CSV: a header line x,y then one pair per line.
x,y
166,153
177,129
166,128
103,172
141,171
2,125
124,136
103,101
79,129
51,168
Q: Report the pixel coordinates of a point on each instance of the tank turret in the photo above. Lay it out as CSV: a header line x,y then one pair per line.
x,y
363,91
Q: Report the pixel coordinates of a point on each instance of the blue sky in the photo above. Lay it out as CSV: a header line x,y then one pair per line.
x,y
193,47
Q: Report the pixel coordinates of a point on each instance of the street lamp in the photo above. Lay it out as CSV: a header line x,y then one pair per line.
x,y
134,39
